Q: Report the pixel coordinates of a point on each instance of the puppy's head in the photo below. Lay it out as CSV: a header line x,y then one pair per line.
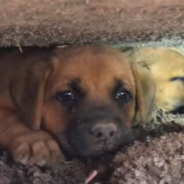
x,y
87,97
166,65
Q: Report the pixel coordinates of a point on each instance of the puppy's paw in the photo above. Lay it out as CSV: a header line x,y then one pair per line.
x,y
37,148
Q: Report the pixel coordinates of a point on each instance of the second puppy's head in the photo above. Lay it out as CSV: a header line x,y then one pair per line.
x,y
87,97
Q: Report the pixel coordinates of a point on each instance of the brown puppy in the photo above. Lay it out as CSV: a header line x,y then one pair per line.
x,y
82,99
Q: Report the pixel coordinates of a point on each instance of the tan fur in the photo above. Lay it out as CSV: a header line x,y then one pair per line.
x,y
145,92
30,80
164,64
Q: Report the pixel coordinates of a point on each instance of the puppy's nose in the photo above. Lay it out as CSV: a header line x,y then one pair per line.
x,y
104,132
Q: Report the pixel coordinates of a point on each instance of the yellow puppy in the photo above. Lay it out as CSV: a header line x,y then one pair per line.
x,y
167,68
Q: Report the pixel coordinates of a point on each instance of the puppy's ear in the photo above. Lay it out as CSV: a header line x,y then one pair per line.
x,y
28,90
145,93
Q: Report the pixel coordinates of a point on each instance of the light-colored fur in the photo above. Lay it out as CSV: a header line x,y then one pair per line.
x,y
164,64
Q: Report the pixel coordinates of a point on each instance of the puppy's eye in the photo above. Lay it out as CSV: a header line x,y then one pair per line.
x,y
123,96
66,97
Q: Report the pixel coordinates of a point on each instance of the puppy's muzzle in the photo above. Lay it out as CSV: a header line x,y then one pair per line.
x,y
95,133
104,132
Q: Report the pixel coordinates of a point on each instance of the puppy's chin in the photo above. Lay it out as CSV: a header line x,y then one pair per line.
x,y
81,145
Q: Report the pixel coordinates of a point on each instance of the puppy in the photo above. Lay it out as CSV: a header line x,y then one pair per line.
x,y
80,100
166,66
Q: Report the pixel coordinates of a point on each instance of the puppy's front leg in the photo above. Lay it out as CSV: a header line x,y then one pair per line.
x,y
23,144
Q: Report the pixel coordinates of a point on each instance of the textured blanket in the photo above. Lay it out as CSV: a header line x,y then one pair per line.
x,y
45,22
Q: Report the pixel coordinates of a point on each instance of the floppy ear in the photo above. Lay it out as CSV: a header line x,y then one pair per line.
x,y
28,90
145,93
